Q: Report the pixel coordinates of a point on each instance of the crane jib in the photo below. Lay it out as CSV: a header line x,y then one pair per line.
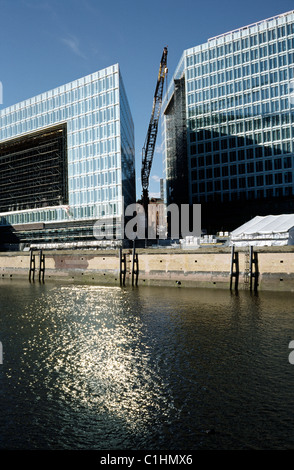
x,y
149,146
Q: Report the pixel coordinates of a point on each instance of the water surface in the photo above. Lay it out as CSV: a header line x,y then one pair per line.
x,y
90,367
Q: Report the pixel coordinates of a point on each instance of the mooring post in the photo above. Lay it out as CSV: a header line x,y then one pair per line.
x,y
135,265
41,266
137,268
122,271
120,266
234,273
32,266
133,261
253,274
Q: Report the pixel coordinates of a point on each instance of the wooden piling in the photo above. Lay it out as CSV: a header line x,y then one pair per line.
x,y
122,267
253,269
41,266
135,266
234,268
32,266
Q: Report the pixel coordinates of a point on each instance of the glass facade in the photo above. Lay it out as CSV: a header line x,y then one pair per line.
x,y
239,118
99,147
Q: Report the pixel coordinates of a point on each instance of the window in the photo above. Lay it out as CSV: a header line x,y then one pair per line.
x,y
288,162
242,182
254,54
224,144
250,181
262,37
278,178
288,177
241,168
250,167
277,164
272,49
281,31
233,170
272,34
269,179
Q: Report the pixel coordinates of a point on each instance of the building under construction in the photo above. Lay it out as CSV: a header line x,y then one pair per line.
x,y
66,162
33,170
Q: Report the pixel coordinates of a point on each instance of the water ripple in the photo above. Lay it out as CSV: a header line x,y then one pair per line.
x,y
102,367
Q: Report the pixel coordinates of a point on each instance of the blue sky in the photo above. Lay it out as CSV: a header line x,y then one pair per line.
x,y
46,43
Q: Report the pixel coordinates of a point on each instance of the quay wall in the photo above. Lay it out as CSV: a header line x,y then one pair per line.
x,y
204,267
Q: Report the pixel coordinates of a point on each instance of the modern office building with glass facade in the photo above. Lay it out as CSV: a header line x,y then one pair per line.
x,y
66,161
229,124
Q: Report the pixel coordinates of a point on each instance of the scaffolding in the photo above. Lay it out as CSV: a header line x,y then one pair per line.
x,y
33,170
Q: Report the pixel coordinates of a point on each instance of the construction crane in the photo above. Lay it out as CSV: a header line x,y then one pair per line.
x,y
149,146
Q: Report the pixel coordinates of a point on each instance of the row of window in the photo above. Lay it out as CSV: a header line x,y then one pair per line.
x,y
242,183
240,44
66,94
248,96
226,106
88,159
90,196
102,131
47,108
231,142
244,154
245,55
233,170
98,153
258,106
236,63
95,180
232,128
243,194
86,121
49,215
241,155
36,216
213,78
232,122
239,85
106,131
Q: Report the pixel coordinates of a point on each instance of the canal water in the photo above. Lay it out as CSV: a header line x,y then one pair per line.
x,y
108,368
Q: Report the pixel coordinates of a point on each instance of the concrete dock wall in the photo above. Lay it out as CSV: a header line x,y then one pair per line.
x,y
204,267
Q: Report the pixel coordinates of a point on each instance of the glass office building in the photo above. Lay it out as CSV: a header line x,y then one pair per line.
x,y
229,124
67,160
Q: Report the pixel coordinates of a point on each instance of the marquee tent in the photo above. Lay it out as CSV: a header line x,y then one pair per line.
x,y
270,230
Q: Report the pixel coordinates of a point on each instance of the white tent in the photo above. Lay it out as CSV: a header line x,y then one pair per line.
x,y
269,230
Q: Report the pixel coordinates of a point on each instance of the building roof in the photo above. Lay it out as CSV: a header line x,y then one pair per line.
x,y
268,224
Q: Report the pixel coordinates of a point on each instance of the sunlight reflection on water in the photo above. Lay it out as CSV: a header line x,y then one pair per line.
x,y
91,367
94,355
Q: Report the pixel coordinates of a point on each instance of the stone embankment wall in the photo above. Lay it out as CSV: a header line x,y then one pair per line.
x,y
204,267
